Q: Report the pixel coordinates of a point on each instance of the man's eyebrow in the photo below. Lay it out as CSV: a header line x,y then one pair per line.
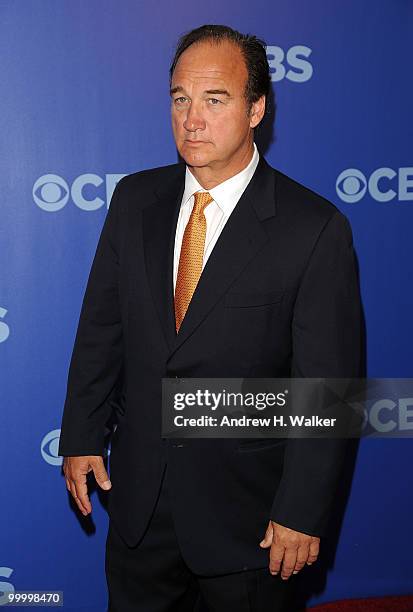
x,y
176,89
216,92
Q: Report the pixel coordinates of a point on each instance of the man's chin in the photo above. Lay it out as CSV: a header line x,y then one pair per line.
x,y
197,156
194,159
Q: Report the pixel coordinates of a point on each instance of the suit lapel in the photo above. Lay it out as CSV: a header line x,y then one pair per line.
x,y
241,238
159,224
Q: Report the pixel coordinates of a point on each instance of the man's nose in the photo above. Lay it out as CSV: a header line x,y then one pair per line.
x,y
194,119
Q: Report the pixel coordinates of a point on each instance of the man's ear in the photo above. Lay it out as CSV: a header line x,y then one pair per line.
x,y
257,112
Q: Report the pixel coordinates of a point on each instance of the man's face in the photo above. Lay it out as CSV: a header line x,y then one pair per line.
x,y
210,118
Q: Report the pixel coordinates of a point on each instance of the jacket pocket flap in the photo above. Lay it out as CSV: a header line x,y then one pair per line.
x,y
240,300
260,444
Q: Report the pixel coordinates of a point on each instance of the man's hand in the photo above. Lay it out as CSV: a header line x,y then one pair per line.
x,y
75,470
290,548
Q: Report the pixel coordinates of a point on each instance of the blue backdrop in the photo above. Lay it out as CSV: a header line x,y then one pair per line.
x,y
84,100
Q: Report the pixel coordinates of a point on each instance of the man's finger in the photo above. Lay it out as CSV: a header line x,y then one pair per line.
x,y
289,561
276,556
82,497
80,506
302,556
77,500
314,551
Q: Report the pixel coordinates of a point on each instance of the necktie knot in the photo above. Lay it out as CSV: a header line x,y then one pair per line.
x,y
202,199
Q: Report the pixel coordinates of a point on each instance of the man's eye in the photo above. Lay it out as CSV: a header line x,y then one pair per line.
x,y
180,100
214,101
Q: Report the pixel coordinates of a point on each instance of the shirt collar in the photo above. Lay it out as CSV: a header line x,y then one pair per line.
x,y
226,192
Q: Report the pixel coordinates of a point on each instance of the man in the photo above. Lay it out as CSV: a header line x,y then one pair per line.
x,y
219,267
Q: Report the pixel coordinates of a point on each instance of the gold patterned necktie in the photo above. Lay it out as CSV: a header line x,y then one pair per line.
x,y
191,257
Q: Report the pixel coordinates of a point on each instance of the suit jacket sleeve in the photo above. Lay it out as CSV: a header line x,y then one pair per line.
x,y
326,332
96,363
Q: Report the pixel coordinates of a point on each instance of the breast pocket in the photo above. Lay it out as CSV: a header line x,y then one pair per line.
x,y
252,299
250,321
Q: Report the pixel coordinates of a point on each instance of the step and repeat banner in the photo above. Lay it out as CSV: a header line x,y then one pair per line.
x,y
84,101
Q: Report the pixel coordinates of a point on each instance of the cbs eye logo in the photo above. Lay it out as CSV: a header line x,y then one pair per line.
x,y
51,192
4,328
383,185
49,448
351,185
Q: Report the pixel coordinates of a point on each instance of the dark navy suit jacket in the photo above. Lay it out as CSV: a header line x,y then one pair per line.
x,y
278,297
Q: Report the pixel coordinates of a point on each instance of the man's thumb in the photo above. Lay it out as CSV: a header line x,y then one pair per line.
x,y
102,478
267,541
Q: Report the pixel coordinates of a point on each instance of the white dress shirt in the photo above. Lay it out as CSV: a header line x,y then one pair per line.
x,y
225,195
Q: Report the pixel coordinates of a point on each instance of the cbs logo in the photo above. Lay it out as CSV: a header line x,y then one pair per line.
x,y
51,192
383,185
387,415
49,448
4,328
298,70
5,587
